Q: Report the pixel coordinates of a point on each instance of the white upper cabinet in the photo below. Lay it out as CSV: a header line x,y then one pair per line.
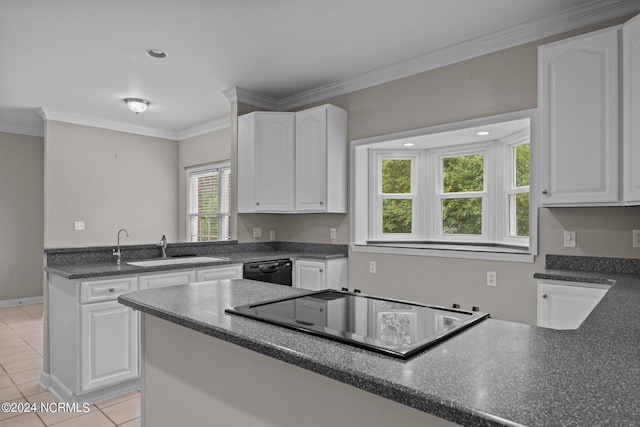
x,y
589,150
631,110
578,101
266,162
321,160
293,162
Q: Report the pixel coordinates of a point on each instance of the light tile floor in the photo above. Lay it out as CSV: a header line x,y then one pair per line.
x,y
20,367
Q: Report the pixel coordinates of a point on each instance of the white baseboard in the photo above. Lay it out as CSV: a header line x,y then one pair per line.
x,y
21,301
45,380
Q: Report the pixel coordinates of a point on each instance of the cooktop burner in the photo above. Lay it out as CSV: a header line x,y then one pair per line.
x,y
396,328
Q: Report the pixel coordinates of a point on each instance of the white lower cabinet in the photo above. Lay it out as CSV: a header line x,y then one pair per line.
x,y
94,340
565,305
317,275
108,344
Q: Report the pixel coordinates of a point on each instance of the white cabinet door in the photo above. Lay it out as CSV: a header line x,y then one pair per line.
x,y
274,151
220,273
631,110
149,281
266,162
309,274
578,101
311,160
108,344
321,159
566,306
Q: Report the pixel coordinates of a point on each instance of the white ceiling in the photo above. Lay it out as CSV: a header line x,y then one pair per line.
x,y
77,59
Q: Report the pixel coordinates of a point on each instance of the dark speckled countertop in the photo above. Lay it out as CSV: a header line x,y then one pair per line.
x,y
495,373
85,270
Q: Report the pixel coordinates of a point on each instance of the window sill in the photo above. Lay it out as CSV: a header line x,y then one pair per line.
x,y
489,253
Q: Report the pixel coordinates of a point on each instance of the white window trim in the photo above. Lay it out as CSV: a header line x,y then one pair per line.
x,y
360,162
194,170
509,182
486,195
375,215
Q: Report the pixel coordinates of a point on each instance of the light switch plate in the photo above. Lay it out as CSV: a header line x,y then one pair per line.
x,y
78,226
257,232
569,239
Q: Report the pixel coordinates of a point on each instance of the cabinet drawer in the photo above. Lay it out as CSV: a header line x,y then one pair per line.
x,y
220,273
167,279
106,290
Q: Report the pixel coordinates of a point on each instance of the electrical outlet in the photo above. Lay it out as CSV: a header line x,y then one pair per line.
x,y
372,267
272,235
492,279
569,239
636,238
257,232
332,233
78,226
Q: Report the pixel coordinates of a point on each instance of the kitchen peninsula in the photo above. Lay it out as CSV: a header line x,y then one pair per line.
x,y
200,363
93,341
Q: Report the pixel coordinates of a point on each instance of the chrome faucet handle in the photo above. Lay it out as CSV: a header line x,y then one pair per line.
x,y
163,246
117,254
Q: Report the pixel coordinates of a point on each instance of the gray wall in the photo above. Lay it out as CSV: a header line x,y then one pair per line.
x,y
21,216
497,83
208,148
110,180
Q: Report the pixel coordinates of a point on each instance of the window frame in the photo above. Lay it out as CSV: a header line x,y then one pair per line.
x,y
360,164
223,210
378,197
510,188
486,195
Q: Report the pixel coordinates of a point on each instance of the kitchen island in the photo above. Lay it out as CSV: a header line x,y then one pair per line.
x,y
201,365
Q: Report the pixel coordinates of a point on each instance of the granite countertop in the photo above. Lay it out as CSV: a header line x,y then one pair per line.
x,y
86,270
495,373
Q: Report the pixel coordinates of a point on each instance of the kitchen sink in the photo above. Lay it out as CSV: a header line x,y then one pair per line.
x,y
173,261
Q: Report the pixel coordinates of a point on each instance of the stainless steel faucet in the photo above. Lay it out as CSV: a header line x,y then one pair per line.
x,y
163,245
116,252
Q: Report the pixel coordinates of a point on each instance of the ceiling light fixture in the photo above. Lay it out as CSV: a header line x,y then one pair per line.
x,y
136,105
156,53
408,144
483,133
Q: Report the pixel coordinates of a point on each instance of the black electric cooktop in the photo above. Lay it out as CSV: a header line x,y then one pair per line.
x,y
396,328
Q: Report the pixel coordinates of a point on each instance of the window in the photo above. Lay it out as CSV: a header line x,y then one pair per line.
x,y
395,196
461,195
447,188
208,202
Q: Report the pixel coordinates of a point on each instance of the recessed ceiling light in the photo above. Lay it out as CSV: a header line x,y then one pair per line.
x,y
136,105
483,133
408,144
156,53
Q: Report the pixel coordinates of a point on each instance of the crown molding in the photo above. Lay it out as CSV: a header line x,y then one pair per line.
x,y
246,96
78,119
22,130
590,13
201,129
